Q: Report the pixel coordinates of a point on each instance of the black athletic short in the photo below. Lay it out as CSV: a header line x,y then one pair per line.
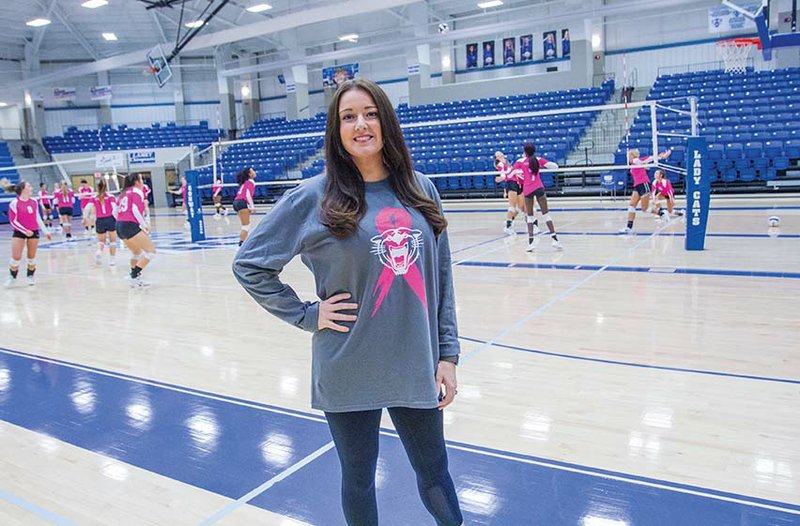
x,y
239,204
65,211
642,189
513,186
105,224
46,206
539,192
20,235
127,229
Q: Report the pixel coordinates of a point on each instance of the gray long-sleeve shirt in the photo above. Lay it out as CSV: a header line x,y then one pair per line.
x,y
397,271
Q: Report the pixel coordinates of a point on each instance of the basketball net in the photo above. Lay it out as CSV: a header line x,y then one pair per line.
x,y
735,52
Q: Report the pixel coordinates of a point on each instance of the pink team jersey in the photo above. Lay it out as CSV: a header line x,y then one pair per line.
x,y
85,194
246,191
45,199
23,215
105,208
664,187
216,189
506,171
131,206
65,202
530,182
183,193
640,174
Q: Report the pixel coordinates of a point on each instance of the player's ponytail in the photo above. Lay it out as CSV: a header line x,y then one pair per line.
x,y
533,162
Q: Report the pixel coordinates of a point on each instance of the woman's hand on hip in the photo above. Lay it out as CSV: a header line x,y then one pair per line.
x,y
330,313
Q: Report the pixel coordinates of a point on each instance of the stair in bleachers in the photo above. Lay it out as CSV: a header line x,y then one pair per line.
x,y
124,138
7,161
751,122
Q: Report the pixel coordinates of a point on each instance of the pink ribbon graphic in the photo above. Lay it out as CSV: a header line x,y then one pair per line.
x,y
398,248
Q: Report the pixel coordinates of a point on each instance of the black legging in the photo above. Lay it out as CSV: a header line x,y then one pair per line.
x,y
422,434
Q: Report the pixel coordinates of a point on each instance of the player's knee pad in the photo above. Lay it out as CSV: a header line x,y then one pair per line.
x,y
14,263
245,228
631,209
31,262
520,210
149,256
512,209
546,217
530,219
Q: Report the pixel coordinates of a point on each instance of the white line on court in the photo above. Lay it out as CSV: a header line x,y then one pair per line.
x,y
169,387
244,499
587,471
493,250
626,479
563,294
42,513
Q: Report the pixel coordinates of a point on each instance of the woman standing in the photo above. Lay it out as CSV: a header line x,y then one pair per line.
x,y
513,190
133,228
243,203
66,201
23,215
528,166
46,202
373,233
105,206
216,192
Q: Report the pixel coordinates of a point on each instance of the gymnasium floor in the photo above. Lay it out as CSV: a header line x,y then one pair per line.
x,y
621,382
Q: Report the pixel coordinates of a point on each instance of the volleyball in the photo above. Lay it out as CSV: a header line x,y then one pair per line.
x,y
774,221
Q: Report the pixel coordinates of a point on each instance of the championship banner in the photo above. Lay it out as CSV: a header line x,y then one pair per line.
x,y
109,160
549,45
698,193
509,51
333,76
722,18
100,92
472,55
65,94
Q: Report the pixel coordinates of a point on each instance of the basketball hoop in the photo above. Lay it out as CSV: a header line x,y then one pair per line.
x,y
735,52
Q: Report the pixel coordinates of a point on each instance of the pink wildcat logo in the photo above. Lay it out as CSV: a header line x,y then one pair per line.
x,y
398,248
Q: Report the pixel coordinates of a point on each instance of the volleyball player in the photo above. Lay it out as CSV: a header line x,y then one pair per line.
x,y
243,203
65,198
85,195
641,185
513,190
528,166
663,195
105,205
133,228
216,192
46,202
23,215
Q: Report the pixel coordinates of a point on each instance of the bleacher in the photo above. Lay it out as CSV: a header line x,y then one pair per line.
x,y
124,138
751,122
6,161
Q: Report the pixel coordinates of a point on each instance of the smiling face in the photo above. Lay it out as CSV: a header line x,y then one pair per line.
x,y
26,192
360,126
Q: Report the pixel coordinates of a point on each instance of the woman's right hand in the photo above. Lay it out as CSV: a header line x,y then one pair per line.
x,y
329,313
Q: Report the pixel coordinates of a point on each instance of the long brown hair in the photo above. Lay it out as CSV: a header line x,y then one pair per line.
x,y
102,186
533,162
344,202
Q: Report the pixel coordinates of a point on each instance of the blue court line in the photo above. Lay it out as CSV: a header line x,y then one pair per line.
x,y
621,209
652,270
40,392
33,508
676,234
634,364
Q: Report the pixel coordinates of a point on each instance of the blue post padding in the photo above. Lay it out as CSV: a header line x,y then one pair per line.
x,y
764,36
194,207
698,192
